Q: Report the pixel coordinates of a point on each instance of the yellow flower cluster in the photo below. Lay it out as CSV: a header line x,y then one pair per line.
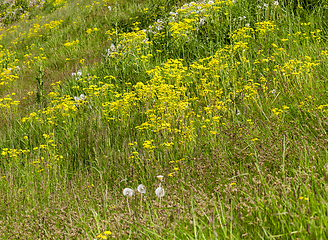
x,y
69,44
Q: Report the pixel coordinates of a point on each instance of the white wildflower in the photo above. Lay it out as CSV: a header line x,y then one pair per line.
x,y
160,177
276,3
112,48
202,21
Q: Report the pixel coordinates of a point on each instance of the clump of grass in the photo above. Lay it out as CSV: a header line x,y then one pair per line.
x,y
224,99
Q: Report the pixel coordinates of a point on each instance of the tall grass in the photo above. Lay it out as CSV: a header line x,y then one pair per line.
x,y
226,100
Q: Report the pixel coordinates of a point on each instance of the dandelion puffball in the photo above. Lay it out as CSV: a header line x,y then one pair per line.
x,y
128,192
141,188
160,192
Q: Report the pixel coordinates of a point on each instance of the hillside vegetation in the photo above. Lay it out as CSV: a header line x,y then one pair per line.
x,y
219,106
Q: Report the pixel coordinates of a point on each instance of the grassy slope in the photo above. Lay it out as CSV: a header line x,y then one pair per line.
x,y
229,104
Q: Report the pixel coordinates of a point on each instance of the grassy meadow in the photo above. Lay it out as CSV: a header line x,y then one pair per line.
x,y
219,108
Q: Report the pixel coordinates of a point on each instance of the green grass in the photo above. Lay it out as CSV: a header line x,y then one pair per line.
x,y
226,100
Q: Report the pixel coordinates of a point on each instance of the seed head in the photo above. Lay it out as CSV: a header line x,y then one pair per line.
x,y
141,188
160,192
128,192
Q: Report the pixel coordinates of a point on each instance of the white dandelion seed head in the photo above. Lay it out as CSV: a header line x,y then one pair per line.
x,y
141,188
160,192
79,73
128,192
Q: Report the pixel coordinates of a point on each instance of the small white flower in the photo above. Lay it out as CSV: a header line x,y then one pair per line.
x,y
202,21
82,97
237,112
273,91
210,2
73,74
247,25
160,192
110,8
141,188
259,7
266,5
76,99
276,3
79,73
128,192
160,177
112,48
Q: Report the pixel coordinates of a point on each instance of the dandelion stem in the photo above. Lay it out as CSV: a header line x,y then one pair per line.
x,y
127,200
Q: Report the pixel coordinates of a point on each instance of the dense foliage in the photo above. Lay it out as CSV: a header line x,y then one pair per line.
x,y
225,100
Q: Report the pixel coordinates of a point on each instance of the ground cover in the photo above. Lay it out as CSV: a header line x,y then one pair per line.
x,y
226,101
